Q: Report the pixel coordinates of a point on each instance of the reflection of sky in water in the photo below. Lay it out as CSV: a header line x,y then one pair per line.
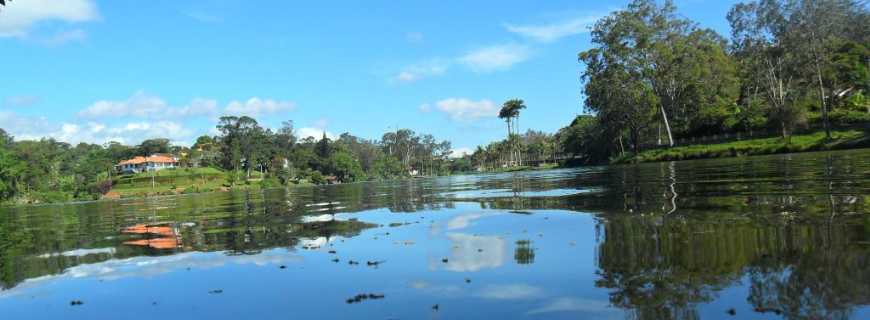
x,y
488,272
506,193
466,254
412,276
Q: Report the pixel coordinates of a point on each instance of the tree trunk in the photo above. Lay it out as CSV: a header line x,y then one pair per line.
x,y
635,141
621,146
784,130
667,126
824,105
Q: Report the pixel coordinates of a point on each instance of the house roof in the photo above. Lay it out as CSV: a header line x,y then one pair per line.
x,y
154,159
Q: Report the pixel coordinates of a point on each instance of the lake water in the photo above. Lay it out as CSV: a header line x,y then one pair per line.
x,y
784,236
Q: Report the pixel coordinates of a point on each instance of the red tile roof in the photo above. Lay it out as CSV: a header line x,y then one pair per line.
x,y
154,159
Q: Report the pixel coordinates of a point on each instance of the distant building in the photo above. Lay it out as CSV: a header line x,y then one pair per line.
x,y
154,162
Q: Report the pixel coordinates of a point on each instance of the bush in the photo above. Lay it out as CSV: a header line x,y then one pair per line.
x,y
841,117
268,183
316,178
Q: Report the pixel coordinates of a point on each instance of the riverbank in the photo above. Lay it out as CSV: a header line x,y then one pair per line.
x,y
185,181
546,166
840,140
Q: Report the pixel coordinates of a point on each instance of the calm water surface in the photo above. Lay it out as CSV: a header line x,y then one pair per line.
x,y
756,238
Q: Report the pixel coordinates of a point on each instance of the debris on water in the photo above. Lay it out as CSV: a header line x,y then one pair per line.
x,y
732,312
217,291
374,263
766,310
76,303
444,260
363,296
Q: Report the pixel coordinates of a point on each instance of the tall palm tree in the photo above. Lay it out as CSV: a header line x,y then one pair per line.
x,y
510,111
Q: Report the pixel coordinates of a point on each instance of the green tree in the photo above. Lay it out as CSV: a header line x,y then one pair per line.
x,y
152,146
510,112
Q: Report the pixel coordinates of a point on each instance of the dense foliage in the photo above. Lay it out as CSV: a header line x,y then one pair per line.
x,y
654,76
50,171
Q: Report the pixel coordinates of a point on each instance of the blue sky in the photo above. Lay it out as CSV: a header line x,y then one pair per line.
x,y
126,70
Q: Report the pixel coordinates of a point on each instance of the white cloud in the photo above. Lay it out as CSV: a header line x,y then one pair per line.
x,y
462,109
464,220
321,123
143,105
510,292
431,68
569,304
139,117
24,127
256,106
19,16
473,253
144,267
554,31
129,133
315,133
495,58
460,152
34,128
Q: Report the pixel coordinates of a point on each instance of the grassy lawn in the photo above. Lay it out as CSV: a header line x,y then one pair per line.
x,y
180,180
798,143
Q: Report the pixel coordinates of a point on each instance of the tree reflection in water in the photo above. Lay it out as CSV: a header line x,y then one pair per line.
x,y
662,268
524,253
792,229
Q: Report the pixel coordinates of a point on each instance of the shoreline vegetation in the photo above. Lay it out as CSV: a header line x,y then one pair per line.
x,y
651,78
840,140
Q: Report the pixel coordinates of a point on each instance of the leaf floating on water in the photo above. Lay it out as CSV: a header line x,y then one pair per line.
x,y
362,297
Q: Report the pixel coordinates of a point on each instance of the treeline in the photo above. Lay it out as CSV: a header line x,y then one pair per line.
x,y
531,148
516,150
653,76
244,146
46,170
